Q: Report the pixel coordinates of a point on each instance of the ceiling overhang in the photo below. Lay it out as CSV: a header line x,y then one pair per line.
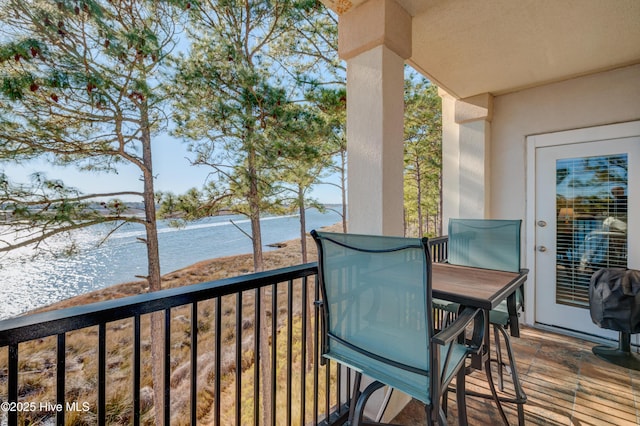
x,y
469,47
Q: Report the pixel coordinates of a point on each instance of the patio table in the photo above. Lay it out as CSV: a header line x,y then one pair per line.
x,y
484,289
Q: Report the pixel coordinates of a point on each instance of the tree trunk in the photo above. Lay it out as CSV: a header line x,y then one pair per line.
x,y
303,225
405,221
153,259
419,201
258,264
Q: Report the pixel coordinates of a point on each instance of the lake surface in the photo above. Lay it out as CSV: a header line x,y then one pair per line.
x,y
27,283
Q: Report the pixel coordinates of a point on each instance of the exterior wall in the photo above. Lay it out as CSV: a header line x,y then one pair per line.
x,y
597,99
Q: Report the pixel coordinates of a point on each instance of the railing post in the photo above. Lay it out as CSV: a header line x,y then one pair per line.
x,y
136,370
256,356
305,349
289,348
102,374
194,363
316,351
60,377
167,366
13,382
274,350
218,364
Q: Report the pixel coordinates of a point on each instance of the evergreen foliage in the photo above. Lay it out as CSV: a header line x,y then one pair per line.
x,y
80,86
241,103
423,158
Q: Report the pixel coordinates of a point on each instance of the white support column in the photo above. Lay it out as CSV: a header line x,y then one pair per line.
x,y
375,109
450,160
375,39
466,156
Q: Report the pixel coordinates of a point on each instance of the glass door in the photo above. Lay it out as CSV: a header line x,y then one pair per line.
x,y
591,227
584,194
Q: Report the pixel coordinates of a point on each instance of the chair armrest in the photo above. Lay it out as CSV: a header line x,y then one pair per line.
x,y
455,329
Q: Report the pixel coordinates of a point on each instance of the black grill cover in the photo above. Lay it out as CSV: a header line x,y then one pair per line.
x,y
614,299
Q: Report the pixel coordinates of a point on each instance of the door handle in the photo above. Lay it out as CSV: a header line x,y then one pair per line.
x,y
542,223
542,249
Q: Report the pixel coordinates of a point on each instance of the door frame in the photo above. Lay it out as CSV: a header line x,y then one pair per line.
x,y
541,140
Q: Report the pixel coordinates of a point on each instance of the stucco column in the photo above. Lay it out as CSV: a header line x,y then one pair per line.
x,y
450,159
466,149
375,39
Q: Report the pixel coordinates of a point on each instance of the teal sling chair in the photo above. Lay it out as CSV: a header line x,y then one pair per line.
x,y
377,320
492,244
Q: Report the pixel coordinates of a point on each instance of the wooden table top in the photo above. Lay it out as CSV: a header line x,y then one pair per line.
x,y
474,287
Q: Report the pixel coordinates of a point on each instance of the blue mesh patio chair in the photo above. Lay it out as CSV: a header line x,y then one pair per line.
x,y
492,244
377,320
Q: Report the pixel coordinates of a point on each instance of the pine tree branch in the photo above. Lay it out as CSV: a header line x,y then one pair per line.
x,y
241,230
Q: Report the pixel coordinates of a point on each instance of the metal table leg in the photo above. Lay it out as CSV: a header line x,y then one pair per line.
x,y
520,396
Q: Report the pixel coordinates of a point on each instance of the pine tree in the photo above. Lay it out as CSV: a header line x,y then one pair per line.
x,y
231,105
80,86
423,158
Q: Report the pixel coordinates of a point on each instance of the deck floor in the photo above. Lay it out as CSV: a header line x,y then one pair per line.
x,y
565,385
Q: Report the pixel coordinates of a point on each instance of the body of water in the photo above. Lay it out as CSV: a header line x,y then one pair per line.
x,y
28,282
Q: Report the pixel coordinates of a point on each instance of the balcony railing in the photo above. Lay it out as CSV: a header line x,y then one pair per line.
x,y
439,247
93,362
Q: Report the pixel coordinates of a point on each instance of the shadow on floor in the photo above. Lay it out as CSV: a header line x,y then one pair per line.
x,y
565,385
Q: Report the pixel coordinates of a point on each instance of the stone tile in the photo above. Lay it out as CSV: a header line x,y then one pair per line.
x,y
592,365
593,414
613,389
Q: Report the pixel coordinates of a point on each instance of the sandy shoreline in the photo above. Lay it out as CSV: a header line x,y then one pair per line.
x,y
288,254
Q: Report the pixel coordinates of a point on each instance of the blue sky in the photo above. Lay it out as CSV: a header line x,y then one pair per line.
x,y
171,166
172,169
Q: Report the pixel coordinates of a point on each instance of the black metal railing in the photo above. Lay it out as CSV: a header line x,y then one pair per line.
x,y
219,319
212,367
439,247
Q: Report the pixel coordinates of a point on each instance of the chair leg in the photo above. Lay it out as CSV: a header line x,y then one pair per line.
x,y
501,363
362,402
445,400
428,409
354,396
520,397
461,397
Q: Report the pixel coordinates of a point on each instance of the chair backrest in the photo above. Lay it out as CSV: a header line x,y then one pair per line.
x,y
485,243
376,290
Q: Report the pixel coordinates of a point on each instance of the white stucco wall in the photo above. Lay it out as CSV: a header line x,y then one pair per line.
x,y
597,99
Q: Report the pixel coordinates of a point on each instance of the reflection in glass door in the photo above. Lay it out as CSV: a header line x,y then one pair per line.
x,y
591,212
